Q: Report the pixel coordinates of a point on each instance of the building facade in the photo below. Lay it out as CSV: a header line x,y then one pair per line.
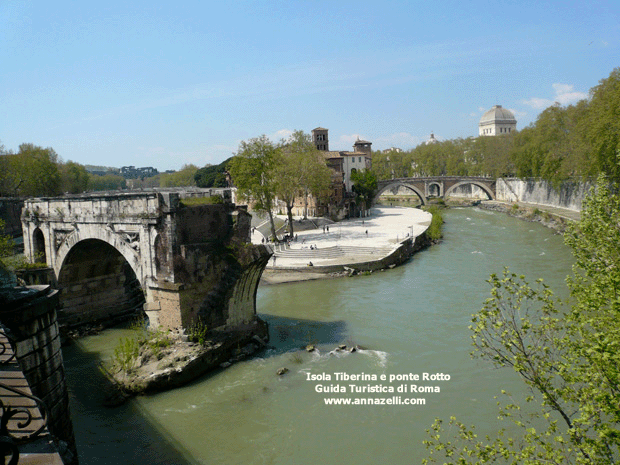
x,y
497,121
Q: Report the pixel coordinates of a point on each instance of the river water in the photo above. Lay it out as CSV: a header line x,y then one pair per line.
x,y
411,320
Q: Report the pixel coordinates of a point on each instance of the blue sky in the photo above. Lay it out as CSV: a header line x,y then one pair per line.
x,y
164,84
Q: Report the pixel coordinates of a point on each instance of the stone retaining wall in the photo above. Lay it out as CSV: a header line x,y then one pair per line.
x,y
569,195
35,329
400,255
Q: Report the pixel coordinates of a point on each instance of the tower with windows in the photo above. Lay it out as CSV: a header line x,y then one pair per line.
x,y
320,139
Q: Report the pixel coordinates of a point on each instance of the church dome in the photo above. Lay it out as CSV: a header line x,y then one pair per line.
x,y
497,114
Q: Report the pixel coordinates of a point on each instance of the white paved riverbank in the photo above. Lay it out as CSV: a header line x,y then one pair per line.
x,y
351,241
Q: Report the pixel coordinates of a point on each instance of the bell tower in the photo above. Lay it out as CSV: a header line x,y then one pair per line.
x,y
320,139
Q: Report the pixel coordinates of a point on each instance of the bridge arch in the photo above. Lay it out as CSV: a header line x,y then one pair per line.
x,y
435,189
38,245
113,239
392,185
97,282
481,185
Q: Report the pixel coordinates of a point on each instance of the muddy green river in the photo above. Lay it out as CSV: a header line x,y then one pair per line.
x,y
412,321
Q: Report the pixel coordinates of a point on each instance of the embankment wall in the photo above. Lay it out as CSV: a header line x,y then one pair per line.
x,y
569,195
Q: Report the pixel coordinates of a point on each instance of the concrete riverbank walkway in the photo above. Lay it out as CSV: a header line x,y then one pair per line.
x,y
350,241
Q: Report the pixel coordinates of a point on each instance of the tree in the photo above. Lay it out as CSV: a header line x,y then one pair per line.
x,y
213,175
184,177
365,186
74,178
602,125
6,178
391,165
6,242
302,171
253,171
106,182
568,357
35,171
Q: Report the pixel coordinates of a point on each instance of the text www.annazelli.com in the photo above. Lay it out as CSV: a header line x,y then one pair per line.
x,y
394,400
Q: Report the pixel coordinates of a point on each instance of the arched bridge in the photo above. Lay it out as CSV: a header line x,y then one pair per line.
x,y
113,253
436,186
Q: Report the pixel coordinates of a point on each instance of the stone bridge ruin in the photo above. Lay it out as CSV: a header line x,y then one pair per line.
x,y
176,254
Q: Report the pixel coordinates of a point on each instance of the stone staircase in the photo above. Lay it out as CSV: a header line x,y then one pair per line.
x,y
333,252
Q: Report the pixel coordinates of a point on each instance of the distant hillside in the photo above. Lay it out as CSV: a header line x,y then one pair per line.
x,y
101,169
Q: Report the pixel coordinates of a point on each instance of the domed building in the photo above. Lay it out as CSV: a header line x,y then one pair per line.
x,y
497,121
431,140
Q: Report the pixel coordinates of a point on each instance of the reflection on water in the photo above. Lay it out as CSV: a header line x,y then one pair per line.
x,y
410,320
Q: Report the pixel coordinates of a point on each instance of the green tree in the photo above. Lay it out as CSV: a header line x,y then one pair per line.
x,y
106,182
491,156
35,171
301,172
213,175
6,178
6,242
364,186
568,357
182,178
602,125
74,178
554,148
391,165
253,171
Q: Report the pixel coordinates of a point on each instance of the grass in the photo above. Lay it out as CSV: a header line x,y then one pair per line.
x,y
435,230
143,340
197,332
194,201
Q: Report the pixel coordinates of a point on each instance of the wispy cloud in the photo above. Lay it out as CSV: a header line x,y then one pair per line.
x,y
565,94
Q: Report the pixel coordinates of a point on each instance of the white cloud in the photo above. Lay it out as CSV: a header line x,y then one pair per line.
x,y
564,95
279,135
538,103
349,139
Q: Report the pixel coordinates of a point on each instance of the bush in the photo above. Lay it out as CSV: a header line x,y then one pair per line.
x,y
434,231
197,332
193,201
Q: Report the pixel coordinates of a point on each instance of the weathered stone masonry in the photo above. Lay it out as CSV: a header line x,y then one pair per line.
x,y
112,253
32,321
